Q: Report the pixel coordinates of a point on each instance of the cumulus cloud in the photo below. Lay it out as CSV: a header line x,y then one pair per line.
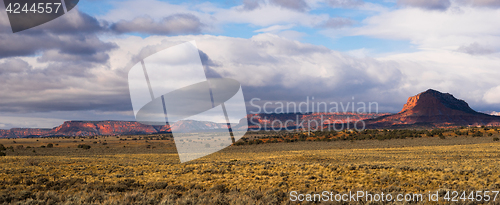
x,y
72,34
286,69
250,4
494,113
492,95
475,49
336,23
59,65
345,3
435,30
298,5
171,25
56,69
275,28
426,4
29,86
7,122
255,12
268,15
481,3
269,67
435,38
291,71
14,66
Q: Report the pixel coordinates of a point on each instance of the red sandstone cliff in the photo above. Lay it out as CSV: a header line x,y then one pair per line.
x,y
87,128
435,109
428,109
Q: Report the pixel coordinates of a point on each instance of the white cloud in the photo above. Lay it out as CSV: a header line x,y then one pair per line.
x,y
359,53
128,10
475,49
268,15
457,50
336,23
274,28
492,95
7,122
426,4
481,3
494,113
174,24
283,31
276,68
262,14
466,76
433,29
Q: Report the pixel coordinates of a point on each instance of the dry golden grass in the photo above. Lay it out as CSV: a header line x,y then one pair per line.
x,y
241,174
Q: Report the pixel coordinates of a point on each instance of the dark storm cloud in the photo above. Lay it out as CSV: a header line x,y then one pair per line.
x,y
426,4
358,85
68,59
287,76
336,23
80,102
60,86
72,34
171,25
298,5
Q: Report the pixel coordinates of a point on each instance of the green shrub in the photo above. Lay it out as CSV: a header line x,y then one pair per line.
x,y
2,154
239,143
84,146
495,139
50,145
2,147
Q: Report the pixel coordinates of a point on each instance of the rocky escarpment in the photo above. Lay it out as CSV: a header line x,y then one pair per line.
x,y
432,102
89,128
86,128
93,128
435,109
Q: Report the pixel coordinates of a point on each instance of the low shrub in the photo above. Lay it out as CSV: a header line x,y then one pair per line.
x,y
84,146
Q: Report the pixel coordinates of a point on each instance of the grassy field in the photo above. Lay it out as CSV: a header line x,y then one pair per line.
x,y
146,169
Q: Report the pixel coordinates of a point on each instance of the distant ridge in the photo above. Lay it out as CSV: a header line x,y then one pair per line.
x,y
429,109
93,128
434,109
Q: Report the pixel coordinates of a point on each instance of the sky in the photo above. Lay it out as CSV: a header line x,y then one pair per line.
x,y
75,67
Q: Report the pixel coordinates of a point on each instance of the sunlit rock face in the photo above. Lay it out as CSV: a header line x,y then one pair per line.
x,y
435,109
